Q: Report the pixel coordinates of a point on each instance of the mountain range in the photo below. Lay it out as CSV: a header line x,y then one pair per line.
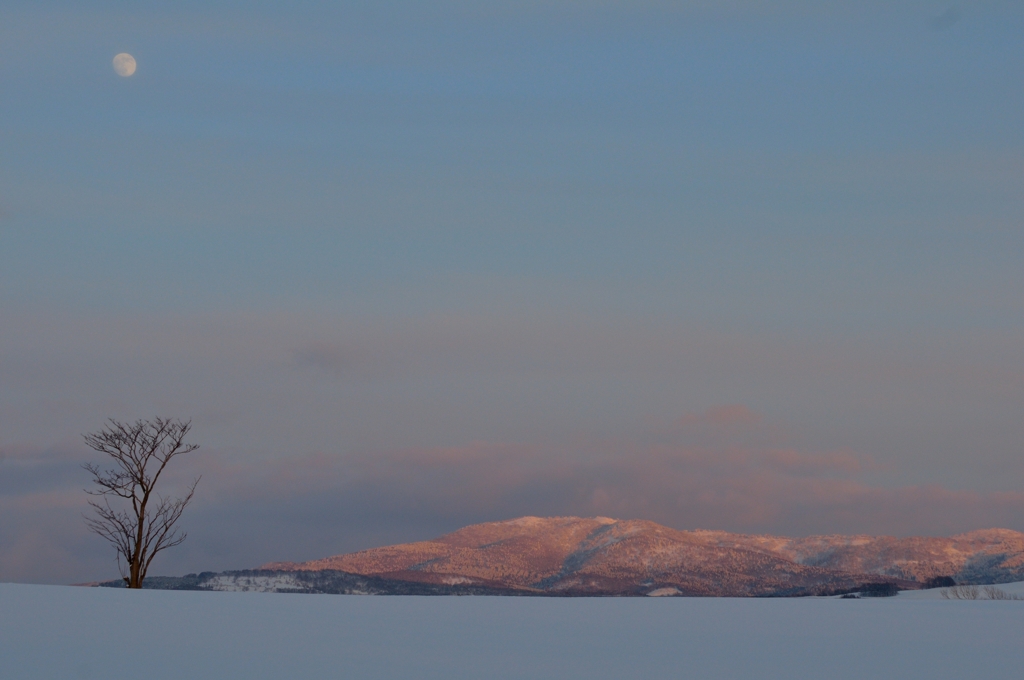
x,y
602,556
598,556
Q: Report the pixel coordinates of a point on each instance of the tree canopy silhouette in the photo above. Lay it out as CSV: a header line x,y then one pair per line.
x,y
128,512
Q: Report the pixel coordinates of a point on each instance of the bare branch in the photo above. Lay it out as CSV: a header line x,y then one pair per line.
x,y
140,452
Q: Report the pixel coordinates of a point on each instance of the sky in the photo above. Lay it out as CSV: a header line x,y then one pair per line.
x,y
742,265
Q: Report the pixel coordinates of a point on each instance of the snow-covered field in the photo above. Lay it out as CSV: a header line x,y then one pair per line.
x,y
936,594
67,632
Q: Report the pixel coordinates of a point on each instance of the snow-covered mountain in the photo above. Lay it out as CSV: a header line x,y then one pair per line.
x,y
602,556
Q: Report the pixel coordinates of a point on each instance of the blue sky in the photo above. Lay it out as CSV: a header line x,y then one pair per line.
x,y
343,232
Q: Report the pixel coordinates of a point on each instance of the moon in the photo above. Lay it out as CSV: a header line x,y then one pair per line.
x,y
124,64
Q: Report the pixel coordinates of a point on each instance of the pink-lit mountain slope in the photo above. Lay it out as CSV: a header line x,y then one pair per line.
x,y
595,556
983,556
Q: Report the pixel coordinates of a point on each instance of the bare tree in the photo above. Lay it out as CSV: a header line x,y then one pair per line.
x,y
993,593
961,592
141,523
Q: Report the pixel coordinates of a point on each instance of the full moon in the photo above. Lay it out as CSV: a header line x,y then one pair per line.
x,y
124,64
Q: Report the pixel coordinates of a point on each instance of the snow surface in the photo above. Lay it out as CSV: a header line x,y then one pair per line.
x,y
68,632
936,593
256,584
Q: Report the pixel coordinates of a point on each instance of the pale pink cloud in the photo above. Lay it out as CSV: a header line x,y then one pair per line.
x,y
776,490
796,461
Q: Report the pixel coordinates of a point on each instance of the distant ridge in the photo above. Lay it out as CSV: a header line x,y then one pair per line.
x,y
598,556
602,556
